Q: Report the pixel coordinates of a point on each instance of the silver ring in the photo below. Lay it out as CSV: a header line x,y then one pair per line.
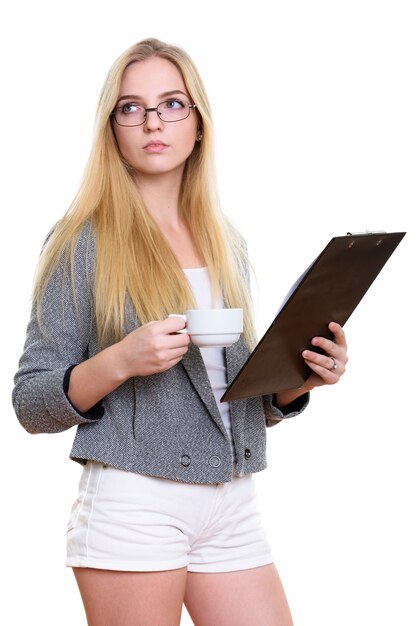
x,y
334,367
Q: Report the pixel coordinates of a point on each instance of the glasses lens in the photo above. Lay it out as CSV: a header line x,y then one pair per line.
x,y
173,110
130,114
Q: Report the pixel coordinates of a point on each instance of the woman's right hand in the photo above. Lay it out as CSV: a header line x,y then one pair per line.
x,y
153,348
149,349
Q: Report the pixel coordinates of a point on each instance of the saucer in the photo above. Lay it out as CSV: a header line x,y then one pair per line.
x,y
215,340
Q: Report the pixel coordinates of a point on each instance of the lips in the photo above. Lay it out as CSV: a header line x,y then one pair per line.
x,y
155,146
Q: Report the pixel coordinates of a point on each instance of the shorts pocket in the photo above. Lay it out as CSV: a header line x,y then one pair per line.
x,y
89,477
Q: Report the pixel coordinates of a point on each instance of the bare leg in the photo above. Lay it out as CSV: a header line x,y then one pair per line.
x,y
114,598
242,598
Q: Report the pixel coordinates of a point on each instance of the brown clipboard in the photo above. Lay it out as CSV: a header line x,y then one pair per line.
x,y
329,290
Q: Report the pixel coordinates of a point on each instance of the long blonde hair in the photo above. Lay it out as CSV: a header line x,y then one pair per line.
x,y
132,256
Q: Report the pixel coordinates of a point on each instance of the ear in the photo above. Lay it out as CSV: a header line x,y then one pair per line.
x,y
199,136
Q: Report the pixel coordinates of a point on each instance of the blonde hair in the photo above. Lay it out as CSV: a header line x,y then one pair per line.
x,y
132,256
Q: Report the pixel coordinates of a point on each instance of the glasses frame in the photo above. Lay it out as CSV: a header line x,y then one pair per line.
x,y
149,110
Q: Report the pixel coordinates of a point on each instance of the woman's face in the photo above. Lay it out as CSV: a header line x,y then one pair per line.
x,y
156,147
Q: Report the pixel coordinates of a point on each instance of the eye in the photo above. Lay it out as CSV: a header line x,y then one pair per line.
x,y
130,108
173,104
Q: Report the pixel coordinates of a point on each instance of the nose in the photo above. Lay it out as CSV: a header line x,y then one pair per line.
x,y
152,120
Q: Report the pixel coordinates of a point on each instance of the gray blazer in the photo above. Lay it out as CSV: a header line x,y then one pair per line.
x,y
165,425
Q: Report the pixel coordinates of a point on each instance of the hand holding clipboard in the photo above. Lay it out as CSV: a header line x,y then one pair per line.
x,y
329,290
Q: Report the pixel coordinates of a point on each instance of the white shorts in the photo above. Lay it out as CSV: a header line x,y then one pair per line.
x,y
130,522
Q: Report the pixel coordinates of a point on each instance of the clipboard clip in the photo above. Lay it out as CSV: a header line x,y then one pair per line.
x,y
367,232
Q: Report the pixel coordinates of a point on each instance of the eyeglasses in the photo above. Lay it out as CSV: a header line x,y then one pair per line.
x,y
133,114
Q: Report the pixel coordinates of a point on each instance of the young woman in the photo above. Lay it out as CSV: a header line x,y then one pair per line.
x,y
166,510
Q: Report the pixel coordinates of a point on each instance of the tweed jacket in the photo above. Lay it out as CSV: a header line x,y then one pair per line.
x,y
166,425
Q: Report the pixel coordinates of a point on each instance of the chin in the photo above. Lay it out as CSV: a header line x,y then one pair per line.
x,y
158,169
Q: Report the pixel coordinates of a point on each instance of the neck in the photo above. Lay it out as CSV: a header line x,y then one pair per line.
x,y
161,196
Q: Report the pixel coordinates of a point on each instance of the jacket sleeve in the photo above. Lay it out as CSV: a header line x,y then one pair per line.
x,y
274,415
57,339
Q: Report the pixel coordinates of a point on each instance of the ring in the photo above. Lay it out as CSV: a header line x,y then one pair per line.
x,y
334,367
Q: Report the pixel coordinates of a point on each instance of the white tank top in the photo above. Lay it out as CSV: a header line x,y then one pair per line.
x,y
214,358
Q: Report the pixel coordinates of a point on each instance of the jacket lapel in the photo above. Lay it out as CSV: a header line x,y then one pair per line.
x,y
192,362
236,355
194,365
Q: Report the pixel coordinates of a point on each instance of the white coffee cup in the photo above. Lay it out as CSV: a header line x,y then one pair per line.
x,y
214,328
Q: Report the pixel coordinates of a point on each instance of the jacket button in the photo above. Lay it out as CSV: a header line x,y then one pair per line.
x,y
214,461
247,453
185,460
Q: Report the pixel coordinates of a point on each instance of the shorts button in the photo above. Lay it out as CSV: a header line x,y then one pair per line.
x,y
247,453
214,461
185,460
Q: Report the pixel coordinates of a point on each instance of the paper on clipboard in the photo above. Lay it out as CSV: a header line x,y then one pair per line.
x,y
328,290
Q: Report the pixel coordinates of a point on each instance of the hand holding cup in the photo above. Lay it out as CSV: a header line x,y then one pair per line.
x,y
212,328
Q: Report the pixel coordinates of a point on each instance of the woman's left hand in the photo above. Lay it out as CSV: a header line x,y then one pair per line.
x,y
327,368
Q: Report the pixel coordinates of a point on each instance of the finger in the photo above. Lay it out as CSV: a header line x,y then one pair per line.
x,y
164,345
177,355
331,348
178,340
172,360
165,327
339,334
320,360
335,364
327,346
172,324
329,376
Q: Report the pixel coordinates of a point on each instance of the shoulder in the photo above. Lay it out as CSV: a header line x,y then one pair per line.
x,y
85,243
69,242
67,258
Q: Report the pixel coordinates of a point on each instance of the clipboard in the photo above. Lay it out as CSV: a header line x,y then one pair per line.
x,y
329,290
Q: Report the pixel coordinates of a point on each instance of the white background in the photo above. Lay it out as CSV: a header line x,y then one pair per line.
x,y
315,107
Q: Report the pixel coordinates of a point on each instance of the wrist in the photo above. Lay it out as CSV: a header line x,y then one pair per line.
x,y
283,398
118,362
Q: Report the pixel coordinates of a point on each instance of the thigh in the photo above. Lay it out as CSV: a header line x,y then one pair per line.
x,y
123,521
113,598
240,598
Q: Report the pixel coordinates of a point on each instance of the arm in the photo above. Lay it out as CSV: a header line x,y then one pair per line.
x,y
150,349
58,385
56,339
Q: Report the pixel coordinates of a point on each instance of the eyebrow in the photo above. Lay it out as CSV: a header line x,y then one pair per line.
x,y
164,94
